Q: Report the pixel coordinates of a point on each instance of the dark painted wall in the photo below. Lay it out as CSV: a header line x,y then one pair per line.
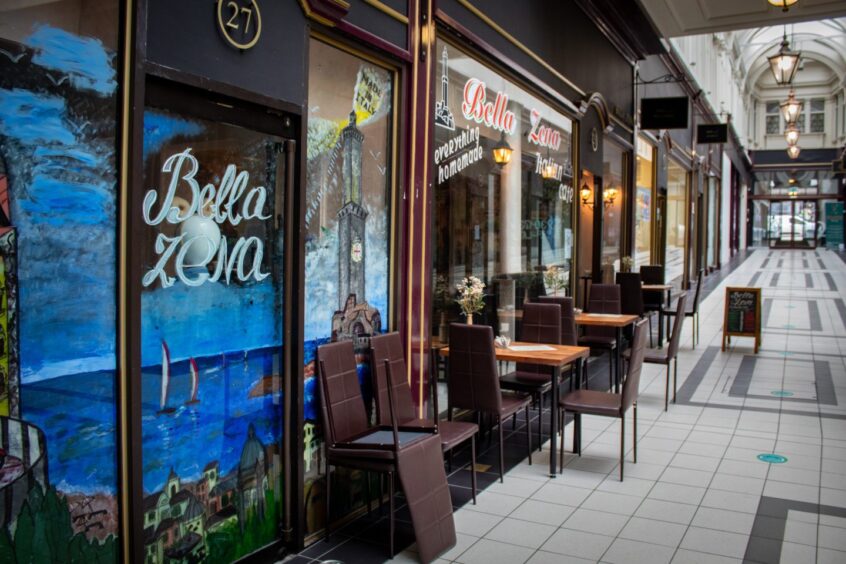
x,y
184,35
379,23
561,34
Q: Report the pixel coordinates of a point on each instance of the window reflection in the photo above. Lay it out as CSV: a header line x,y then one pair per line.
x,y
506,224
676,221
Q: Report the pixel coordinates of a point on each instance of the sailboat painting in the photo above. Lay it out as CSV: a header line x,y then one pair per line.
x,y
163,408
195,382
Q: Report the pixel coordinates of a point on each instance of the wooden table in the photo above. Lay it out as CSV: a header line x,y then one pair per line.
x,y
617,321
556,358
660,288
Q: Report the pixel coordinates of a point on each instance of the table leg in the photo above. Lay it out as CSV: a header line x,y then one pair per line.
x,y
553,414
618,355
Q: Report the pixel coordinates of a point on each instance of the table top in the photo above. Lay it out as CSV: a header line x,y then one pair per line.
x,y
657,287
605,319
559,355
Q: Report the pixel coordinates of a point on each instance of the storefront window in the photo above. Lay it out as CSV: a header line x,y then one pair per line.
x,y
713,219
643,203
507,224
348,235
677,189
211,337
613,191
58,262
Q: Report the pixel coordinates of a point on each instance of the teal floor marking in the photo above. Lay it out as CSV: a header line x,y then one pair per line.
x,y
789,326
781,393
772,458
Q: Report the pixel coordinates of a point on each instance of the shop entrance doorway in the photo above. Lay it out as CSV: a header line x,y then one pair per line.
x,y
792,224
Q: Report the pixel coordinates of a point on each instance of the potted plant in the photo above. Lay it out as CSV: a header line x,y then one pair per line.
x,y
626,264
554,280
471,297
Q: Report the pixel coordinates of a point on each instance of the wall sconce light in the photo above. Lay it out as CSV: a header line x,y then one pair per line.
x,y
791,134
502,151
793,151
783,4
791,108
785,63
585,194
608,197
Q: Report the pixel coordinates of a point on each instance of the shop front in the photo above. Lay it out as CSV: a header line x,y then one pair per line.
x,y
504,196
195,196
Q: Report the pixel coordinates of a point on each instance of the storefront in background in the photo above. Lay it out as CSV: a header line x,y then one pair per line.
x,y
644,224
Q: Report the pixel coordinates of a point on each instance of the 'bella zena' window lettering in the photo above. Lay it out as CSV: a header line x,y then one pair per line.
x,y
199,240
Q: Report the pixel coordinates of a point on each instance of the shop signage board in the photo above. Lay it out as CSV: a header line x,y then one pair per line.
x,y
833,224
742,315
664,113
712,133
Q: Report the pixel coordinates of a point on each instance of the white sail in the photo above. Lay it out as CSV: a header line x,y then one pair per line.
x,y
165,375
195,380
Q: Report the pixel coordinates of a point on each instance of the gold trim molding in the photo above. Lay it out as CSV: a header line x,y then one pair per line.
x,y
385,9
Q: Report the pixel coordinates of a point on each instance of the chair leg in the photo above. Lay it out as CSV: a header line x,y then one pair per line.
x,y
367,490
611,370
577,434
449,461
634,432
698,330
675,377
327,513
391,508
473,466
540,421
529,434
381,494
667,388
501,451
622,444
563,414
651,344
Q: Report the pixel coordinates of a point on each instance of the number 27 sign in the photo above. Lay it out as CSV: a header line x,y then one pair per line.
x,y
239,21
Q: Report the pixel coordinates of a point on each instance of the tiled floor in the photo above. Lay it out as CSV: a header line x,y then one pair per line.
x,y
698,493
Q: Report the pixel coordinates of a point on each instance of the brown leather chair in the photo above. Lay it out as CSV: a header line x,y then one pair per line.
x,y
388,347
569,331
350,441
604,298
670,354
473,381
541,324
569,334
608,404
631,298
692,309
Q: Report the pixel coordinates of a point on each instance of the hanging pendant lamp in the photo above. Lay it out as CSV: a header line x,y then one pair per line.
x,y
785,63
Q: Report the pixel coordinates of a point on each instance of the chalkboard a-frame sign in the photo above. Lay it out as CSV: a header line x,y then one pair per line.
x,y
742,315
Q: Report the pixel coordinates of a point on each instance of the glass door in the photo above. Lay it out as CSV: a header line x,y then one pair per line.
x,y
792,223
211,245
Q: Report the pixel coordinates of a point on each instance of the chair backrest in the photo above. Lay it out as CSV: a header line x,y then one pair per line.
x,y
678,322
631,293
652,274
604,298
341,402
473,381
569,336
631,384
698,289
389,347
541,324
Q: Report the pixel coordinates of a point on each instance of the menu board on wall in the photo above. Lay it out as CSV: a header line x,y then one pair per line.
x,y
742,316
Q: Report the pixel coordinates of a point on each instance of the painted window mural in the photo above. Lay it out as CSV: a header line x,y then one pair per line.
x,y
211,337
348,197
58,92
